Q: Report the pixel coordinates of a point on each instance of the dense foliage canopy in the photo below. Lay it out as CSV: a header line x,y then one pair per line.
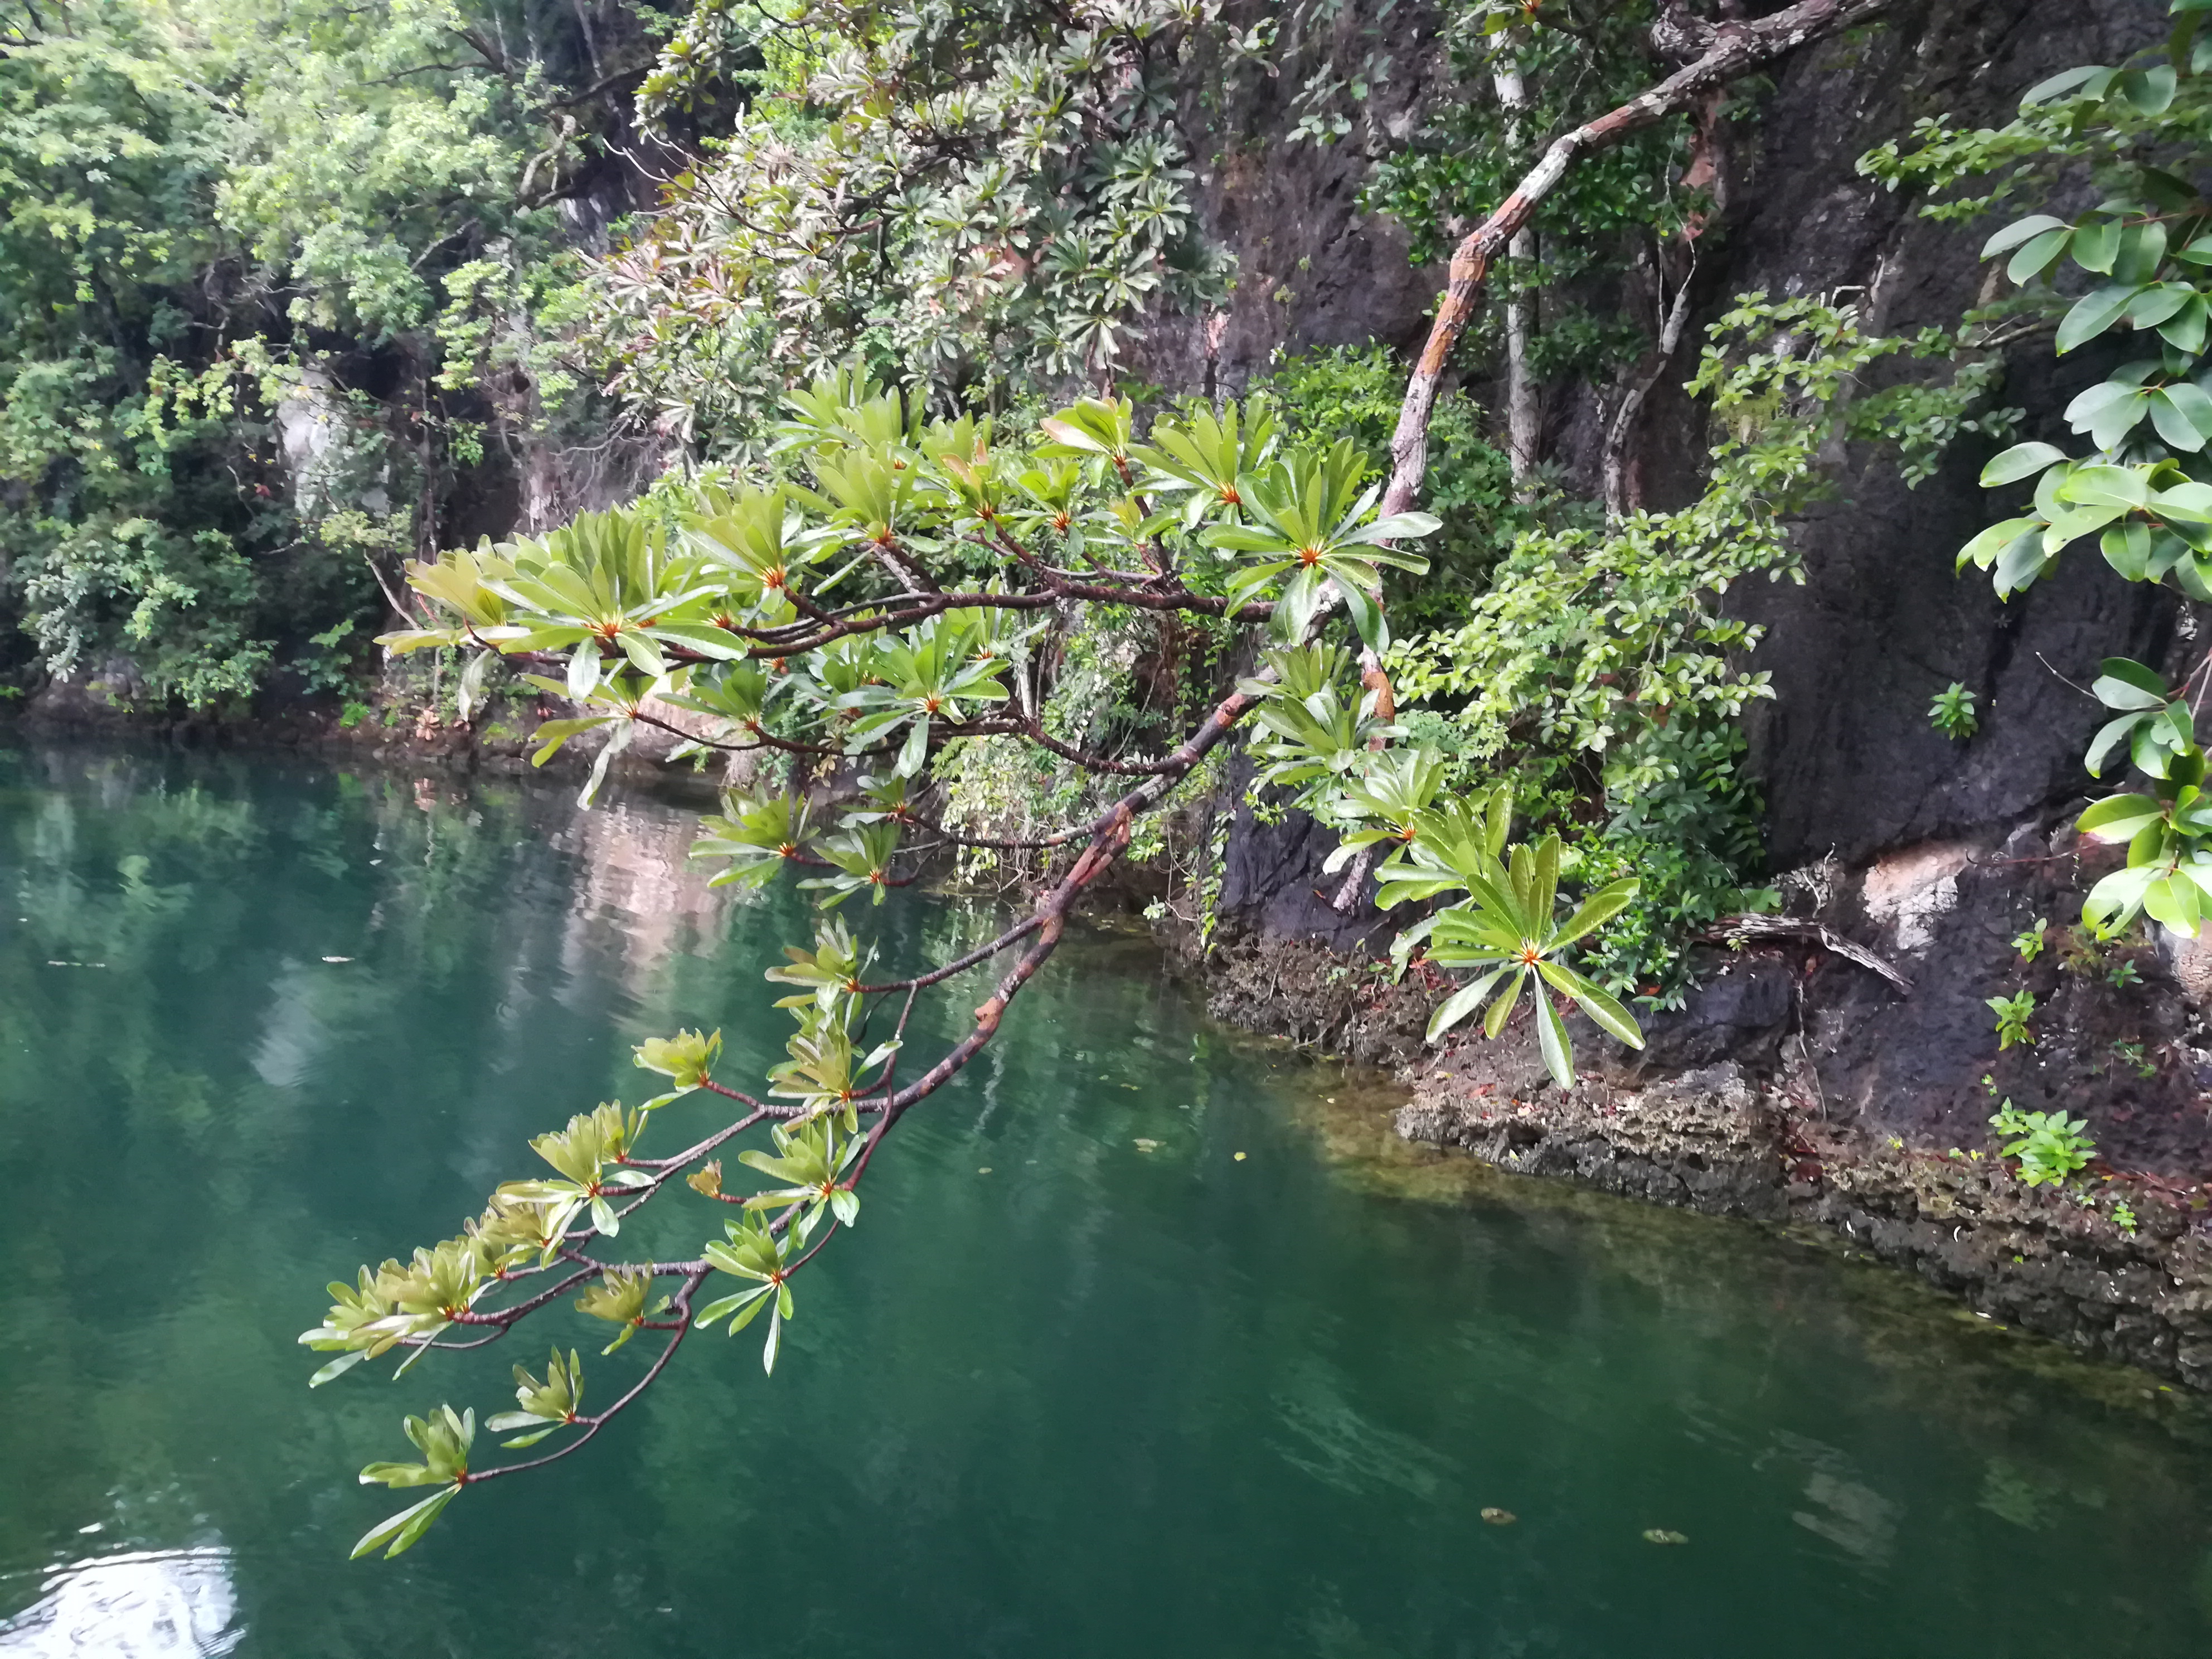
x,y
269,283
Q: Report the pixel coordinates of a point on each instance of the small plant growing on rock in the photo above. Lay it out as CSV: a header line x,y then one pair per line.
x,y
2049,1145
2086,948
2029,944
1953,712
2013,1014
2132,1055
2123,1217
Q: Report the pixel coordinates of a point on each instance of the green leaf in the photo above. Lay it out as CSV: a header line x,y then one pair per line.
x,y
2021,461
553,734
2173,901
2127,549
2118,896
2089,80
1551,1038
745,1301
583,671
914,750
1595,1002
1599,908
2106,486
2119,818
2019,565
2038,256
2019,231
2097,244
1502,1010
1985,548
2185,330
1463,1002
2123,683
338,1367
2192,404
400,1531
2142,250
2095,313
470,692
2156,304
2148,91
2107,411
2110,736
1366,614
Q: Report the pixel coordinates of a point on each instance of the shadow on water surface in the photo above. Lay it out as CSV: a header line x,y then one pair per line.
x,y
1152,1338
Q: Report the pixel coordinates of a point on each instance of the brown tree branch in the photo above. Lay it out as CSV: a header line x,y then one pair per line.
x,y
1732,49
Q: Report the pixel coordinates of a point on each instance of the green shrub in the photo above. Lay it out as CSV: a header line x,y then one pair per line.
x,y
1354,391
2049,1145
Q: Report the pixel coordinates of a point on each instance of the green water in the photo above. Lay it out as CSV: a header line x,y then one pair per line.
x,y
1099,1400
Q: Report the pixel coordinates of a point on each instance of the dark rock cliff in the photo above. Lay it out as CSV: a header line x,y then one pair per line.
x,y
1833,1088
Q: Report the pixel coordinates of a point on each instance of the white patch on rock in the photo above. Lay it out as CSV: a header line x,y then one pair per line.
x,y
2191,961
1907,891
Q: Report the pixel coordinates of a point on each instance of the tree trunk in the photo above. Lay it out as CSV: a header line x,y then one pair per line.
x,y
1521,417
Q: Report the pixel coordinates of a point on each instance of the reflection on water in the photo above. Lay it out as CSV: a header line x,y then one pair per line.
x,y
1153,1339
148,1604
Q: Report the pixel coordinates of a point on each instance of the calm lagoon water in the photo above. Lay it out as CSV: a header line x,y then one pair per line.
x,y
1083,1383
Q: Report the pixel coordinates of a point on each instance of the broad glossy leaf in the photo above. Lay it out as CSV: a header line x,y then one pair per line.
x,y
2127,549
2154,304
2148,91
2093,313
2097,244
2088,80
2173,901
2122,683
2106,486
2142,249
2019,231
2193,405
2118,817
2185,330
2118,895
2020,564
2037,256
2021,461
1985,549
